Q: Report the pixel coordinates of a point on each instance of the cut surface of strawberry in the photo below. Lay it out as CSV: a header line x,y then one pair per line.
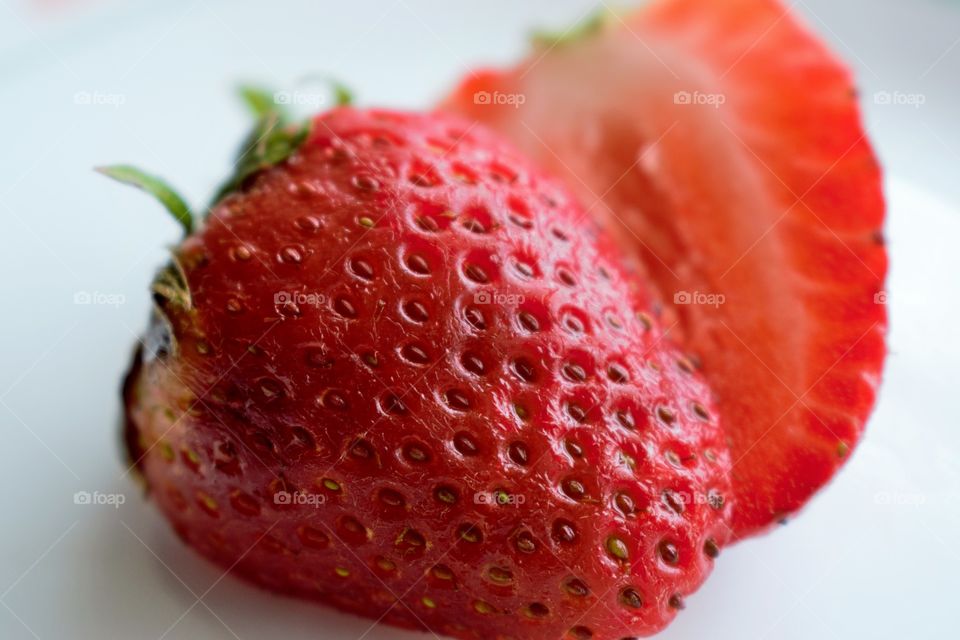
x,y
723,144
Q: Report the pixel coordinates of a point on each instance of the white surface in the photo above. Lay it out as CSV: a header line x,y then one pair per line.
x,y
874,557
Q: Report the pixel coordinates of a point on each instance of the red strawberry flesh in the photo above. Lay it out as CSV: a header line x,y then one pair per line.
x,y
723,144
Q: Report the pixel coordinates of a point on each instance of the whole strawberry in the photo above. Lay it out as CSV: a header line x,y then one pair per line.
x,y
397,371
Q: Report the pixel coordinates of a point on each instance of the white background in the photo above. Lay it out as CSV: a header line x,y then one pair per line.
x,y
876,556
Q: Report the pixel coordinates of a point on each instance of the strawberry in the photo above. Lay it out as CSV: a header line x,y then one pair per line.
x,y
397,370
722,143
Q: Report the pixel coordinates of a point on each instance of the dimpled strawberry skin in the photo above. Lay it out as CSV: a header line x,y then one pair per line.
x,y
413,382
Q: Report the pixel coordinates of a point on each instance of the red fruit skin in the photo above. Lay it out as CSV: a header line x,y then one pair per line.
x,y
266,395
771,198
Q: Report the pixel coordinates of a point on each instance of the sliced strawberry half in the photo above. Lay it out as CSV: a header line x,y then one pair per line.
x,y
723,143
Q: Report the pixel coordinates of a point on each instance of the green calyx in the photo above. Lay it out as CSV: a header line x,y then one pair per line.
x,y
269,143
258,100
274,138
262,101
172,201
170,287
587,27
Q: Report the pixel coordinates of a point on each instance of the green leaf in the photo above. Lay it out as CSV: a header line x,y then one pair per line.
x,y
269,143
156,187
